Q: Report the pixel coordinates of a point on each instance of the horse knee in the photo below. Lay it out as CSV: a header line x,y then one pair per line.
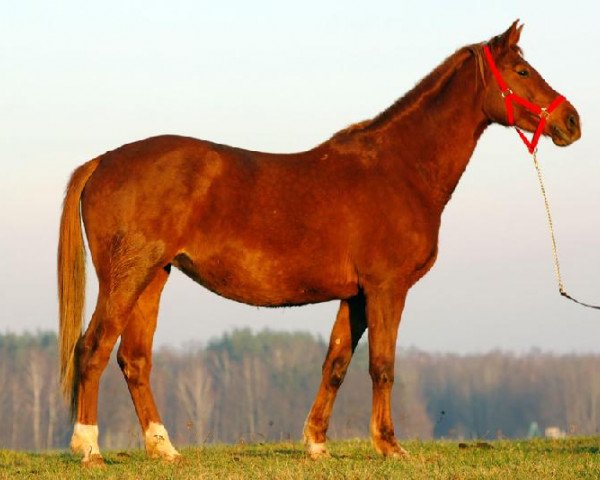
x,y
337,372
382,373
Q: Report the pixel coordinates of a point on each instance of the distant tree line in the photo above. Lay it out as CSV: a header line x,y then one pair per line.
x,y
259,387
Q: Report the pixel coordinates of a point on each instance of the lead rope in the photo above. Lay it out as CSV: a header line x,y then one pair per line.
x,y
561,286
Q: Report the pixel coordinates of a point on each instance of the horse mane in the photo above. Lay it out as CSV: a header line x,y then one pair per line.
x,y
428,87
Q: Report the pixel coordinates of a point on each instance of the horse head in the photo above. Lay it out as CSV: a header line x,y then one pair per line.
x,y
516,94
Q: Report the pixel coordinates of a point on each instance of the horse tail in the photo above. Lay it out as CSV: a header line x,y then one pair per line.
x,y
71,281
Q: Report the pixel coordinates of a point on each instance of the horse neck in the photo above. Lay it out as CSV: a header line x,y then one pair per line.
x,y
431,138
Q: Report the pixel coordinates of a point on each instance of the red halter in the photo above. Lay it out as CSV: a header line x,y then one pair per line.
x,y
510,97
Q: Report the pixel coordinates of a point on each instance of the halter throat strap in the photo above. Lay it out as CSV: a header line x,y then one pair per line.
x,y
510,98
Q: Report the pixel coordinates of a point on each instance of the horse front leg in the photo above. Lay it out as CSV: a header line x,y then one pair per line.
x,y
384,309
349,326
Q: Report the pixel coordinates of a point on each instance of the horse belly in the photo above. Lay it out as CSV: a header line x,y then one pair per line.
x,y
261,279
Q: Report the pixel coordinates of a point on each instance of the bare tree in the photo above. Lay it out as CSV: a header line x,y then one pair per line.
x,y
195,392
35,378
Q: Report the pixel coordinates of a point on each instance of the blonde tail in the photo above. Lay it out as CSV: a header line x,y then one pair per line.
x,y
71,281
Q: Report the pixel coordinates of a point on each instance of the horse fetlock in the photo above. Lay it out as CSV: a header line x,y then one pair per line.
x,y
85,442
158,444
314,430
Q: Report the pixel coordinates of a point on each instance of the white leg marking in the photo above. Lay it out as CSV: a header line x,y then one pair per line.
x,y
85,441
316,450
158,444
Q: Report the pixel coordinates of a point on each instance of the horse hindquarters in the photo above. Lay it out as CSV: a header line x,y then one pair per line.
x,y
130,277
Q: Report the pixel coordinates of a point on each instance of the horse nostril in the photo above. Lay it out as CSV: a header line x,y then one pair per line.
x,y
572,123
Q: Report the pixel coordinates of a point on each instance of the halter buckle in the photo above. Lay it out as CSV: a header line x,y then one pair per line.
x,y
506,93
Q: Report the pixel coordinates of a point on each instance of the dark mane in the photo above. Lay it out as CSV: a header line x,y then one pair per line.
x,y
426,88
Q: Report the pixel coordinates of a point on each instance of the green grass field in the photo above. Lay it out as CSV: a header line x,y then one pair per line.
x,y
511,460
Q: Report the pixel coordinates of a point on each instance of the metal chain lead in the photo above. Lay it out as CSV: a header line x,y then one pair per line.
x,y
561,286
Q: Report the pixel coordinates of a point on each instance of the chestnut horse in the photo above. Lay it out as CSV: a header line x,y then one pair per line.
x,y
356,219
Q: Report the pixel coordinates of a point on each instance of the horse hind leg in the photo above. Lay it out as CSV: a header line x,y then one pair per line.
x,y
93,352
127,267
349,326
135,359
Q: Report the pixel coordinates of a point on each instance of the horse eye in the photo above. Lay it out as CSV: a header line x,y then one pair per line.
x,y
523,72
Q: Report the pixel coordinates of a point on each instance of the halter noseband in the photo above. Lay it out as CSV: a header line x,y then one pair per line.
x,y
510,97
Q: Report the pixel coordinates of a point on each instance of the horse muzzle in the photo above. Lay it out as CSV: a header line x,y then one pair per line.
x,y
564,126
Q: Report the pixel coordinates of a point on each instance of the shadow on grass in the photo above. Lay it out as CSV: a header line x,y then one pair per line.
x,y
289,452
298,454
565,447
594,450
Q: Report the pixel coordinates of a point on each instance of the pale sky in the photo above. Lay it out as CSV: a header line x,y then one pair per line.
x,y
80,78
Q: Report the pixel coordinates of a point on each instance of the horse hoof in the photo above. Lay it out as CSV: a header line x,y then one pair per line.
x,y
167,456
93,461
390,449
395,451
172,459
399,452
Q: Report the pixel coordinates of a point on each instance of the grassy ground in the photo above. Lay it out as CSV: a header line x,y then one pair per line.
x,y
508,460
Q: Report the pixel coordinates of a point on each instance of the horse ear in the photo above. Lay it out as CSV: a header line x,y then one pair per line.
x,y
511,37
508,39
